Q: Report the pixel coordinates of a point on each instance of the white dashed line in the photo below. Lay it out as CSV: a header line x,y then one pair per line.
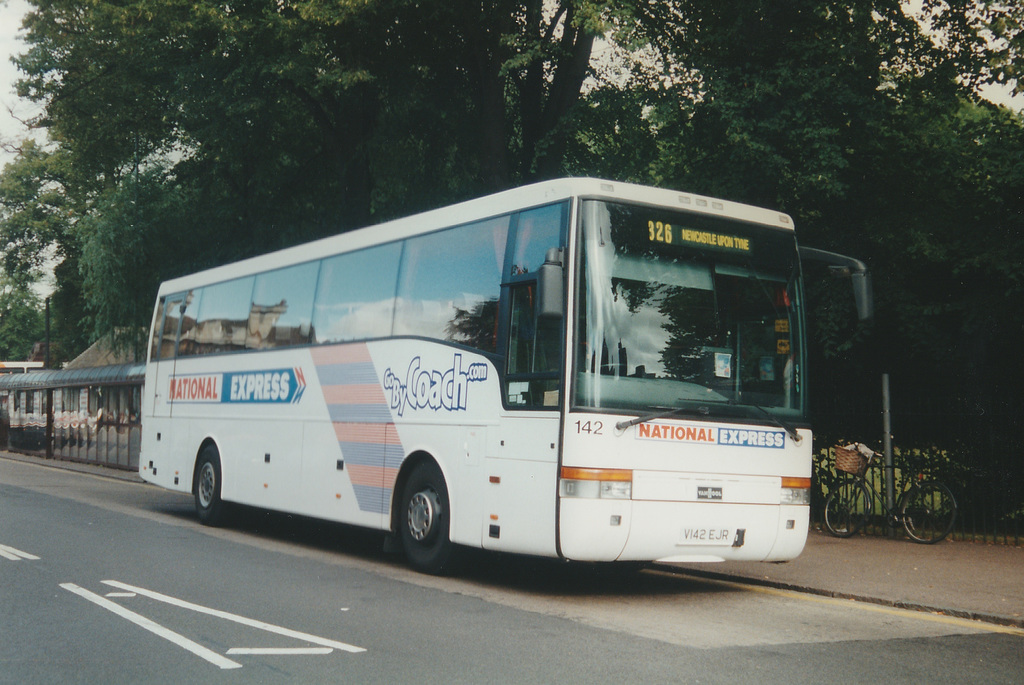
x,y
252,623
16,554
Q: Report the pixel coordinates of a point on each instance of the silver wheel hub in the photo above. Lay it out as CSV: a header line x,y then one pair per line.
x,y
424,508
207,483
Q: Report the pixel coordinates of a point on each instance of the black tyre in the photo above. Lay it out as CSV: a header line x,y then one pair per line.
x,y
209,505
928,512
424,520
847,507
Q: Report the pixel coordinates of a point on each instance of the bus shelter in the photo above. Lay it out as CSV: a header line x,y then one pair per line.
x,y
90,415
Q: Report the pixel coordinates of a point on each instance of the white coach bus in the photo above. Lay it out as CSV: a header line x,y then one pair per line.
x,y
578,368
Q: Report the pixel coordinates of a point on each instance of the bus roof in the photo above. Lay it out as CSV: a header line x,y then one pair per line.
x,y
536,194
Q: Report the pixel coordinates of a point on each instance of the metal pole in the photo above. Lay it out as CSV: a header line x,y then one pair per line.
x,y
49,392
46,363
890,475
49,422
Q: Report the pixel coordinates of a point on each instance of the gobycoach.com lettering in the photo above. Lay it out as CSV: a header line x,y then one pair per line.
x,y
446,390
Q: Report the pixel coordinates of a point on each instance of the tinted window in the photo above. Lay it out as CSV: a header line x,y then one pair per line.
x,y
223,319
165,333
536,231
187,339
450,283
282,307
534,352
356,295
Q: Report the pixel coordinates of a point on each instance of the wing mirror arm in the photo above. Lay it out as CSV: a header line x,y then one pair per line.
x,y
842,266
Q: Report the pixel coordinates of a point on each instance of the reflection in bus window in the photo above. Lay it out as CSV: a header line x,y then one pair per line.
x,y
356,296
537,230
187,336
282,307
163,347
450,283
224,317
534,352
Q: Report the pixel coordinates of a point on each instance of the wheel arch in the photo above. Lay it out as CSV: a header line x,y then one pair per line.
x,y
409,464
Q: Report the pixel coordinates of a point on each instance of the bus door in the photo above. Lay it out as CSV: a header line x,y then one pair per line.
x,y
524,457
524,461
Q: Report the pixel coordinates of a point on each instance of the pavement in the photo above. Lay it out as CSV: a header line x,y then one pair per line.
x,y
970,580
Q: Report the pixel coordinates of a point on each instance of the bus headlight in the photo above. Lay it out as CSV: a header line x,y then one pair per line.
x,y
596,483
795,491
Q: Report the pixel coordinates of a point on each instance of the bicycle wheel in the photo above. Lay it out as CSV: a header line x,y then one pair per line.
x,y
847,507
928,512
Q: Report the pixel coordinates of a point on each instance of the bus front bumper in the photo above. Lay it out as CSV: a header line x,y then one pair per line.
x,y
637,530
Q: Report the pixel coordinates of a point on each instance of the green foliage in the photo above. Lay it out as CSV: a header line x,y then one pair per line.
x,y
273,123
34,210
125,241
21,320
38,212
188,134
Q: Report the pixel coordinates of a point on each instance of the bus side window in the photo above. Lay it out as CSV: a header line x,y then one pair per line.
x,y
224,317
534,352
159,328
355,297
165,338
537,230
187,335
282,307
162,345
450,284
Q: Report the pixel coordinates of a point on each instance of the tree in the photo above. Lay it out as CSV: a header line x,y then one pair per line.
x,y
37,219
202,132
869,131
285,121
983,38
21,320
33,210
123,239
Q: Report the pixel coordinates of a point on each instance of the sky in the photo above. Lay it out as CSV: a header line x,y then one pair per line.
x,y
11,129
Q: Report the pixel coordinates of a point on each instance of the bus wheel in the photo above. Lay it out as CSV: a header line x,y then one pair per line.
x,y
424,521
209,505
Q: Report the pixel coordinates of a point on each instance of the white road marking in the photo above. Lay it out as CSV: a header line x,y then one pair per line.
x,y
280,650
252,623
155,628
120,595
16,554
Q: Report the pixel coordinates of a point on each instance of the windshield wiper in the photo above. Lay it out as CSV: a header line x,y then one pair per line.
x,y
797,438
664,413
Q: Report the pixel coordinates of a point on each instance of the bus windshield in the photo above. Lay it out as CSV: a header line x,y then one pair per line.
x,y
684,311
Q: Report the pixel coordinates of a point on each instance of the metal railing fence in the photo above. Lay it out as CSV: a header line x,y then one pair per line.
x,y
975,448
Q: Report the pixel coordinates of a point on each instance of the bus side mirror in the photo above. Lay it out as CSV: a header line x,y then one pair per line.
x,y
842,266
863,295
550,277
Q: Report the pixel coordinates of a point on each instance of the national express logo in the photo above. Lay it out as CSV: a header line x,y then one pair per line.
x,y
710,435
282,386
446,390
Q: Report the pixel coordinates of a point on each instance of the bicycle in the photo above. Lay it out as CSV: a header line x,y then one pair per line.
x,y
927,509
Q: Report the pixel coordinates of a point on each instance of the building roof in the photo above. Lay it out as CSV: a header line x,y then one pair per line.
x,y
112,374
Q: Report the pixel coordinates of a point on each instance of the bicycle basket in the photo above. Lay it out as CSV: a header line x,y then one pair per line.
x,y
850,460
